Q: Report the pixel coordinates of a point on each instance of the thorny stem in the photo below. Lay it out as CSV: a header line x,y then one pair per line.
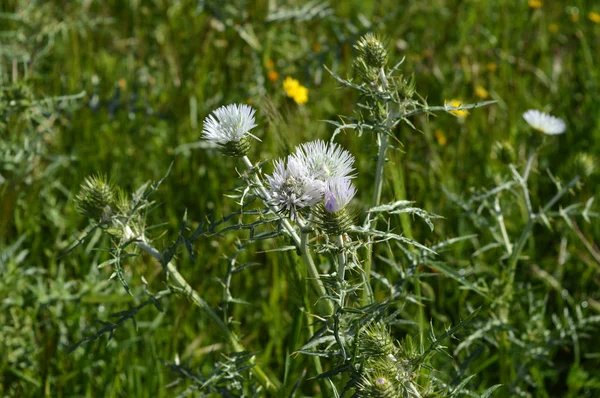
x,y
301,241
341,273
382,139
261,376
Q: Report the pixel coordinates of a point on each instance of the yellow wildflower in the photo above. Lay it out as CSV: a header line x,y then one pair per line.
x,y
295,90
553,27
270,64
458,112
440,137
273,76
301,96
122,83
574,17
594,17
492,67
535,3
481,92
290,85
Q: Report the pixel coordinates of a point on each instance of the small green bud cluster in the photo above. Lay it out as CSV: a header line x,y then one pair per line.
x,y
108,206
384,88
387,371
371,57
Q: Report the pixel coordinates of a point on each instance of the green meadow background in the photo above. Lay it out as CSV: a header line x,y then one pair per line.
x,y
149,72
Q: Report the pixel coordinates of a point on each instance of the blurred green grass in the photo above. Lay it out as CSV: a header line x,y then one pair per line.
x,y
168,56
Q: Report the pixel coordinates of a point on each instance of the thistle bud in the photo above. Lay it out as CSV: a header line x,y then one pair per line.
x,y
376,342
367,73
405,87
503,152
372,51
584,164
95,197
378,385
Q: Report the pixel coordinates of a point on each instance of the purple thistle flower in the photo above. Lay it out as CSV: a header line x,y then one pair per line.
x,y
338,193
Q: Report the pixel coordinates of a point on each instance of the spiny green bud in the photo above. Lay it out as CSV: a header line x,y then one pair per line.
x,y
376,341
236,149
95,197
333,223
372,51
405,87
122,201
377,385
504,152
367,73
409,349
584,164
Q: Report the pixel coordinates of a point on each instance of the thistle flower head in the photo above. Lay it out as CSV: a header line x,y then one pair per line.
x,y
325,160
291,188
229,126
332,214
544,122
338,193
95,197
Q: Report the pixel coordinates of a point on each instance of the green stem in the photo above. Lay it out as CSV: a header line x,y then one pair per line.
x,y
341,272
500,219
301,241
383,141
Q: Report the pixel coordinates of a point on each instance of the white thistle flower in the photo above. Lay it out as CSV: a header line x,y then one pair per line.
x,y
544,122
291,188
338,193
325,160
229,124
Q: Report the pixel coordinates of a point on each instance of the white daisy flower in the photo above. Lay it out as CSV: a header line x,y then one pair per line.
x,y
338,193
229,124
544,122
291,188
325,160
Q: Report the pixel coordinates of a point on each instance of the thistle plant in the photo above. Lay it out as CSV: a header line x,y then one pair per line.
x,y
524,337
309,205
